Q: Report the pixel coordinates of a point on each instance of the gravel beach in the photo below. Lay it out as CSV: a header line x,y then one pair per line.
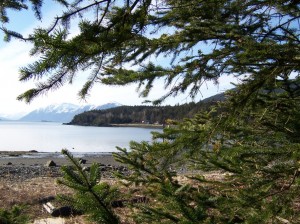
x,y
20,166
28,158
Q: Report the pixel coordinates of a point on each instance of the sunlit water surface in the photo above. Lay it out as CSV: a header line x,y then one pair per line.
x,y
52,137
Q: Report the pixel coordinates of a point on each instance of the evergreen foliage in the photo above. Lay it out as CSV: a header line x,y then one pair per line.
x,y
19,5
250,141
201,40
91,197
254,151
13,216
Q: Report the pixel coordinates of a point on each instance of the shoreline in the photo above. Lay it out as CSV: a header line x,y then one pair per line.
x,y
20,169
34,158
139,125
129,125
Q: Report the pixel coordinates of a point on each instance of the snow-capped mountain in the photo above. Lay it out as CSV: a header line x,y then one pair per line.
x,y
63,112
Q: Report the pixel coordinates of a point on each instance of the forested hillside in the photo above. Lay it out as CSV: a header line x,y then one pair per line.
x,y
142,114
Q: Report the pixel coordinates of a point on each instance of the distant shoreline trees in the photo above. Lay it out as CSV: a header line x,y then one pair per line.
x,y
140,114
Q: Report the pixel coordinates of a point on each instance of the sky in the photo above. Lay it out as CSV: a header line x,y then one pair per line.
x,y
15,54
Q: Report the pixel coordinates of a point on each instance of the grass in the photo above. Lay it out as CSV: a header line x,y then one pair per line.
x,y
29,193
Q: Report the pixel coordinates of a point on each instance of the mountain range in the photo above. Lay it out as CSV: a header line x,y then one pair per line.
x,y
65,112
62,112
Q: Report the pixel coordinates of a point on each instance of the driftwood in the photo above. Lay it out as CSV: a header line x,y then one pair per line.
x,y
61,211
67,210
46,199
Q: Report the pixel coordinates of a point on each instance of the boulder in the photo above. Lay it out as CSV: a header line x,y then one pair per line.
x,y
50,163
82,161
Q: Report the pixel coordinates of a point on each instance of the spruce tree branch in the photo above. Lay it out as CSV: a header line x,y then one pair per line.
x,y
105,207
111,216
41,88
292,34
105,12
88,85
284,188
73,13
78,167
86,7
180,6
280,26
163,214
15,35
134,4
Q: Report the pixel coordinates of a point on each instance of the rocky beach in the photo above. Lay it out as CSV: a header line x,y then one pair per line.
x,y
27,178
21,166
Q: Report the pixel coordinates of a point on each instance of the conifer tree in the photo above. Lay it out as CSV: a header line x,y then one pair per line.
x,y
90,197
251,141
254,152
14,215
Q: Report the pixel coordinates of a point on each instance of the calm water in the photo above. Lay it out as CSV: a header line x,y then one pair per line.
x,y
52,137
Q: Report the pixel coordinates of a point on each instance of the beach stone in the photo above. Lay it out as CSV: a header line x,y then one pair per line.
x,y
109,167
21,173
103,168
9,163
121,168
50,163
82,161
13,155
